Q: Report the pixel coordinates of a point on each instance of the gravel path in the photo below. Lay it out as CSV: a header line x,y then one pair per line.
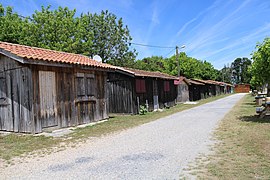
x,y
156,150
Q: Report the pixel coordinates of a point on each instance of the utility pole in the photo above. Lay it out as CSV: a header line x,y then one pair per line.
x,y
177,61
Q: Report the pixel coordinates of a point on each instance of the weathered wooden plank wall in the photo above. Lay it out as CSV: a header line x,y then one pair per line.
x,y
123,97
16,96
194,92
167,97
183,92
33,97
212,90
80,97
47,95
147,96
121,94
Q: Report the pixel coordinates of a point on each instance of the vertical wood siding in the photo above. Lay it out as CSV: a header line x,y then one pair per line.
x,y
123,97
78,97
47,95
16,97
121,94
183,93
33,97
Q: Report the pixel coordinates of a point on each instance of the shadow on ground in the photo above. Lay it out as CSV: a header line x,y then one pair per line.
x,y
256,119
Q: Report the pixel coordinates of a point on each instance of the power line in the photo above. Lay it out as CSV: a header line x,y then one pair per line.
x,y
153,46
170,52
137,44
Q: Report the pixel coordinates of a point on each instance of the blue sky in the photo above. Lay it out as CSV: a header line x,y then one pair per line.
x,y
217,31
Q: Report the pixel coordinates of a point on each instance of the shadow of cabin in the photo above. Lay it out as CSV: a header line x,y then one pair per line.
x,y
41,88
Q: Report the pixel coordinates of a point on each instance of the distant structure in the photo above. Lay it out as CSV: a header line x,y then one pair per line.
x,y
242,88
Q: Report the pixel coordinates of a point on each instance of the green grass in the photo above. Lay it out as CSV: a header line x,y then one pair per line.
x,y
14,145
243,151
121,122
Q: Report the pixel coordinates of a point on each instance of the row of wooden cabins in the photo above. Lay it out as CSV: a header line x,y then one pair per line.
x,y
201,89
41,88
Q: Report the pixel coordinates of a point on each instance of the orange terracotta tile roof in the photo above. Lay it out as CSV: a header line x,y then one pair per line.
x,y
142,73
34,53
195,82
180,80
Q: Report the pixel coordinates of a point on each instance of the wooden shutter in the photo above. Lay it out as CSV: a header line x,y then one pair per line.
x,y
91,85
80,83
2,86
166,86
140,86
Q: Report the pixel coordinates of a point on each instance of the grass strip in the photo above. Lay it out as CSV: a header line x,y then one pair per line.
x,y
243,148
14,145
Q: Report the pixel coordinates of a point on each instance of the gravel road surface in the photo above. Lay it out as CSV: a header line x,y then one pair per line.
x,y
156,150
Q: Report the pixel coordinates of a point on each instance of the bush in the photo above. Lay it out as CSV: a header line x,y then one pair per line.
x,y
143,110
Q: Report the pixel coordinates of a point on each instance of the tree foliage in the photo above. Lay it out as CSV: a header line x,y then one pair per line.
x,y
90,34
10,25
240,72
225,74
189,67
261,65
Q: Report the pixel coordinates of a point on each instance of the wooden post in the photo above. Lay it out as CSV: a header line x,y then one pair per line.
x,y
138,102
176,57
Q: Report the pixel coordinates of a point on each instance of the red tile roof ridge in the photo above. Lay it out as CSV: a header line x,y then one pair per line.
x,y
37,53
38,48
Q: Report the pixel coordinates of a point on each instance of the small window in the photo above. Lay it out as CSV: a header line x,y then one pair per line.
x,y
90,86
80,86
166,86
140,86
2,87
86,84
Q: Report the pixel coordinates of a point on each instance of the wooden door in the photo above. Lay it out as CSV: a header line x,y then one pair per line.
x,y
47,93
6,117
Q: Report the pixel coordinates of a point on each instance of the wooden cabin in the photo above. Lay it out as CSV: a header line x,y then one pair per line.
x,y
228,88
209,88
41,88
128,89
242,88
218,87
182,84
196,90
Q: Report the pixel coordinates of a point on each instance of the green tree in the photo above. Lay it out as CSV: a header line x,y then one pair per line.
x,y
240,71
10,25
225,74
55,29
111,38
189,67
154,63
261,65
89,34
